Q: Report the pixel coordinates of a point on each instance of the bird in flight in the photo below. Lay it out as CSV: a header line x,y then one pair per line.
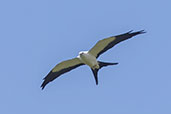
x,y
89,57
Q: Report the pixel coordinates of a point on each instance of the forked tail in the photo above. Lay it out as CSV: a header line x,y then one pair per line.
x,y
101,64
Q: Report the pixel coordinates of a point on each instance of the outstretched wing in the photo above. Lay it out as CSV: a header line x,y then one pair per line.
x,y
61,68
107,43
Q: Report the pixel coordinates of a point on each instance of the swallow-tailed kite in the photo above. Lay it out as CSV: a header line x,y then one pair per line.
x,y
89,58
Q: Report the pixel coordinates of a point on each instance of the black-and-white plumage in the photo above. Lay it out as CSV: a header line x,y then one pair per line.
x,y
89,57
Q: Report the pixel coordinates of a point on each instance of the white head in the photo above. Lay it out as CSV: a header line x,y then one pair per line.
x,y
81,53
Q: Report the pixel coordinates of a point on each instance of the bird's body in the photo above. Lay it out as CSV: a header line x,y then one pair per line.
x,y
89,58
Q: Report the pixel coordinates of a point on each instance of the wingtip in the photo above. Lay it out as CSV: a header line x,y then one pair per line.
x,y
131,34
43,84
46,80
138,32
142,31
42,88
130,31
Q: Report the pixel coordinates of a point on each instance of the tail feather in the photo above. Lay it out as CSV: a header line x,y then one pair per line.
x,y
101,64
95,73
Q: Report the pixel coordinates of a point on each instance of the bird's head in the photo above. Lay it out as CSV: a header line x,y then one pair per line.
x,y
82,52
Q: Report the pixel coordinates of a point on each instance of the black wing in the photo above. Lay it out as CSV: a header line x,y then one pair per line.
x,y
107,43
60,69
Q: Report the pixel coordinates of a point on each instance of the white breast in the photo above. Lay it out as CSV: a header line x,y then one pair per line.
x,y
89,59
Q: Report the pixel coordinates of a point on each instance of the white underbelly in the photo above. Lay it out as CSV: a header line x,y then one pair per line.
x,y
90,60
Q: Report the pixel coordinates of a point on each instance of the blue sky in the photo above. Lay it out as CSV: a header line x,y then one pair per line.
x,y
35,35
